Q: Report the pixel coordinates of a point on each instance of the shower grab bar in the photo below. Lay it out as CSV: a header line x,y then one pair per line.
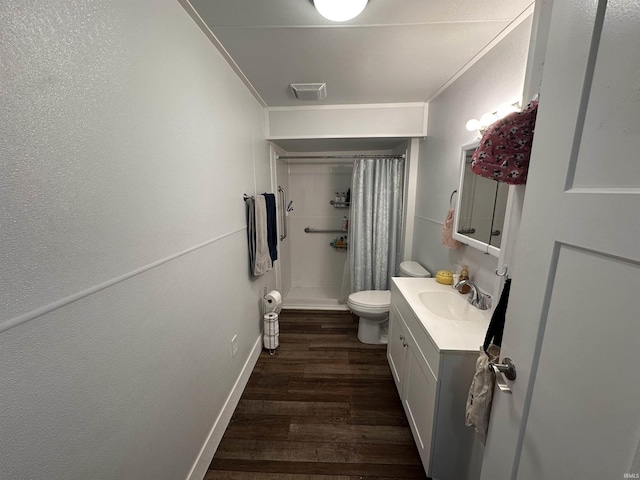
x,y
320,230
283,211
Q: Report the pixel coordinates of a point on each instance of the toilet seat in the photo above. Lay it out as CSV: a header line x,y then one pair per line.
x,y
371,300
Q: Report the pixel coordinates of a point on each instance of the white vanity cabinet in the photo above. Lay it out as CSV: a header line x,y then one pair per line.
x,y
433,384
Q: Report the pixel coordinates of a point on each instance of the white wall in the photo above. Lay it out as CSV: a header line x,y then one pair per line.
x,y
311,187
127,145
495,79
348,121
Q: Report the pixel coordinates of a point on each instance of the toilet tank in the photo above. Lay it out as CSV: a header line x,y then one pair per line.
x,y
413,269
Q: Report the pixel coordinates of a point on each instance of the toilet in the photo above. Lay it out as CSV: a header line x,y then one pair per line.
x,y
372,306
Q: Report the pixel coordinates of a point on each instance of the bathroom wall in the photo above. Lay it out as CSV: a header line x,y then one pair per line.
x,y
348,121
312,185
496,78
127,143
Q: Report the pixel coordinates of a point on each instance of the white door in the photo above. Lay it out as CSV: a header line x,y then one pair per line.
x,y
573,322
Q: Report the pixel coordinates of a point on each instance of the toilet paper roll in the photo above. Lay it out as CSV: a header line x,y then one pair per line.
x,y
271,324
273,301
271,342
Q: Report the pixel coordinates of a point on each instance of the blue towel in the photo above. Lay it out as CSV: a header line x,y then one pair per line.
x,y
251,231
272,228
496,325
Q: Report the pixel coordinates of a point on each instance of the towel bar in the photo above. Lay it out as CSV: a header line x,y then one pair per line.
x,y
320,230
283,212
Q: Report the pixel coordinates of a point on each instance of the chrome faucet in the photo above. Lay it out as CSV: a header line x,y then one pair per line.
x,y
476,297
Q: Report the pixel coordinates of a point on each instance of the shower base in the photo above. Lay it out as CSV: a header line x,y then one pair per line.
x,y
314,298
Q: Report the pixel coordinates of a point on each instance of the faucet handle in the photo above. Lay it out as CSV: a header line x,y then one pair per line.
x,y
480,302
476,297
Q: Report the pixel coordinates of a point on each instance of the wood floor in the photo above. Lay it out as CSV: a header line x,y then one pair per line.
x,y
324,407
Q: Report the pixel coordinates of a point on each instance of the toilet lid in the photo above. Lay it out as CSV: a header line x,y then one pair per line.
x,y
371,298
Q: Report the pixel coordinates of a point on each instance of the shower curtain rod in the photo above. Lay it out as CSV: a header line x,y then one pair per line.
x,y
313,157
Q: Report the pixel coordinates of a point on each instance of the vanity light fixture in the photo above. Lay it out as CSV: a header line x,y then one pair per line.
x,y
490,117
340,10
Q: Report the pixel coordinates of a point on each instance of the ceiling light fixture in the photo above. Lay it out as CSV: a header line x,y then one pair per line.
x,y
340,10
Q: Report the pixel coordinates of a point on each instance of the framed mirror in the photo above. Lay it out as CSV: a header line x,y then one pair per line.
x,y
480,208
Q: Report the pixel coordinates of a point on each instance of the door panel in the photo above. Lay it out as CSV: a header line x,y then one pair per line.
x,y
581,401
420,400
612,119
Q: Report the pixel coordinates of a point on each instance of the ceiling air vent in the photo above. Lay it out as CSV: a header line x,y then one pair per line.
x,y
309,91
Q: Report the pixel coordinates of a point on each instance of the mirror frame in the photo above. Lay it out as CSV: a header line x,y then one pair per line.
x,y
472,242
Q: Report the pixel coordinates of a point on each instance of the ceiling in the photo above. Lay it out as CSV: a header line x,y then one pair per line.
x,y
395,51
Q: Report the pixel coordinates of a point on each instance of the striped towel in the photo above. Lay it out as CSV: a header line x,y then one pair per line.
x,y
259,258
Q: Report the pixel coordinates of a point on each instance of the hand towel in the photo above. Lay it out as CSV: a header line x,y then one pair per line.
x,y
263,261
447,231
480,397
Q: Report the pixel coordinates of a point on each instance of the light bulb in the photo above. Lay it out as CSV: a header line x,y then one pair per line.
x,y
340,10
487,119
472,125
505,109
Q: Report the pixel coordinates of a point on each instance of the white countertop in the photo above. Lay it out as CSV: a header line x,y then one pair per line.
x,y
446,334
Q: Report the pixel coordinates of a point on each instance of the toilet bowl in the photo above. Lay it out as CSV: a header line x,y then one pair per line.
x,y
372,306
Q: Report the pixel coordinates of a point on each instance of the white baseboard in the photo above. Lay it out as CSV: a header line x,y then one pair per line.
x,y
208,450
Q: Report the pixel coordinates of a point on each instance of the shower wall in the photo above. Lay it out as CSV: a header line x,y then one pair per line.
x,y
316,268
283,264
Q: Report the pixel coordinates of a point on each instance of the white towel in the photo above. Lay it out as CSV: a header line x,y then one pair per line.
x,y
263,261
480,395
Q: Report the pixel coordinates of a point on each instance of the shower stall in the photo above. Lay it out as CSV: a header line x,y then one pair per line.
x,y
317,236
313,269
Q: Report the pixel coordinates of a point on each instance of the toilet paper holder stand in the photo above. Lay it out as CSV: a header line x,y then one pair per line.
x,y
271,306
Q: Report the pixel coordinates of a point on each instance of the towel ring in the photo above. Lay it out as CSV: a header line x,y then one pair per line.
x,y
451,198
504,272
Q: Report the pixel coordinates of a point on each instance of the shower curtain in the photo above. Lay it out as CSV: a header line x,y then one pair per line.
x,y
376,222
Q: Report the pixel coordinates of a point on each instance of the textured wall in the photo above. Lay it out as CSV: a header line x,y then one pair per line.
x,y
126,143
495,79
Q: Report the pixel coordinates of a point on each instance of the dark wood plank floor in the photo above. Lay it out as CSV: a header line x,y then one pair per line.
x,y
324,407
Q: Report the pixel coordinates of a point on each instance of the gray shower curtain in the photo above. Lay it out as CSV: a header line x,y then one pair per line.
x,y
376,222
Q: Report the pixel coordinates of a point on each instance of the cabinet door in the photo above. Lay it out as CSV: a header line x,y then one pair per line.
x,y
419,402
396,350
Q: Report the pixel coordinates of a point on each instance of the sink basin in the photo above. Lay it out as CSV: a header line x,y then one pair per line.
x,y
449,305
